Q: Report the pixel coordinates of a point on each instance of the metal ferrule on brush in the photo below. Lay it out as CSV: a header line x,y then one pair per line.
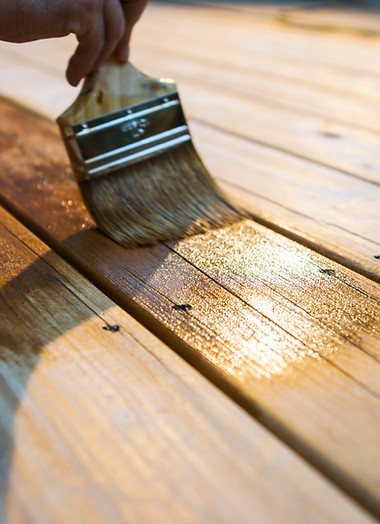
x,y
127,136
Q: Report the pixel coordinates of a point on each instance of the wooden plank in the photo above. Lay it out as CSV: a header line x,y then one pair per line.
x,y
251,83
217,69
320,207
47,93
324,140
359,20
362,21
233,30
291,335
110,427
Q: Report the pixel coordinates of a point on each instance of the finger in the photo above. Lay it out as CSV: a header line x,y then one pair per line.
x,y
133,10
98,36
114,29
84,59
90,33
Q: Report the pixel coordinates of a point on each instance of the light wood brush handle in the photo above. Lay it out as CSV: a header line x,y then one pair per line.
x,y
114,86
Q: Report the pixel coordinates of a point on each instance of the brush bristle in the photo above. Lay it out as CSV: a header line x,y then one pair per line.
x,y
165,198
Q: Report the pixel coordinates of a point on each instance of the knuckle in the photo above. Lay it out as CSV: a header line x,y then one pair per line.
x,y
89,12
82,18
91,7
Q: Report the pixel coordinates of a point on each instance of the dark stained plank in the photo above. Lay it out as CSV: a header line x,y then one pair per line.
x,y
291,335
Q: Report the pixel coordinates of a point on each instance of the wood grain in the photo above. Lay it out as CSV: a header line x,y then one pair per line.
x,y
291,335
359,22
100,426
340,62
248,81
316,205
237,81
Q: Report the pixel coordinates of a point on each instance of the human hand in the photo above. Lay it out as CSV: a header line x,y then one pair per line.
x,y
102,27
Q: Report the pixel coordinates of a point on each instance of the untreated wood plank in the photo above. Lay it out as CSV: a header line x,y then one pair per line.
x,y
347,148
103,426
288,333
247,40
47,92
248,82
362,21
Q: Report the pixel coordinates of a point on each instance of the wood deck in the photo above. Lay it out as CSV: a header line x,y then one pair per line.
x,y
263,398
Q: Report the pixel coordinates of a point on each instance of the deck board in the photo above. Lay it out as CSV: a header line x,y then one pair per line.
x,y
359,22
117,427
288,333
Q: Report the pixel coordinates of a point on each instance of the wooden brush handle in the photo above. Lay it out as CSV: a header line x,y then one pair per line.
x,y
114,86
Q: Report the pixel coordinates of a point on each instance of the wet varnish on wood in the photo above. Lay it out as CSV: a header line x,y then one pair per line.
x,y
113,425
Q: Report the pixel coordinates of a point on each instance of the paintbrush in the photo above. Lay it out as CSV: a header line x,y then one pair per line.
x,y
132,154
